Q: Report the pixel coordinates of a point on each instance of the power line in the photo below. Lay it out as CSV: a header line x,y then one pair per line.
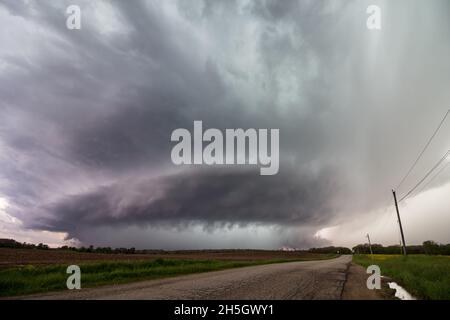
x,y
434,177
426,176
423,150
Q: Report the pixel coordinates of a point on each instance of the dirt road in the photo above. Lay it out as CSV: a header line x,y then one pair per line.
x,y
293,280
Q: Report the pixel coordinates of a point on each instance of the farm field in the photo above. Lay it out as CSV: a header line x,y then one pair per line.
x,y
19,257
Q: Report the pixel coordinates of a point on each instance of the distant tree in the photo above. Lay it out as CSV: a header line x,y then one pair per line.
x,y
444,249
361,249
42,246
430,247
337,250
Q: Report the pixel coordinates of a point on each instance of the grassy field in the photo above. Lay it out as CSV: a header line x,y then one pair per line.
x,y
426,277
35,279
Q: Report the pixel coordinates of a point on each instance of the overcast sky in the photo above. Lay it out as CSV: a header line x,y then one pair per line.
x,y
87,115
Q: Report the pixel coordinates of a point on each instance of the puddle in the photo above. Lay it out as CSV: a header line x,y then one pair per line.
x,y
400,292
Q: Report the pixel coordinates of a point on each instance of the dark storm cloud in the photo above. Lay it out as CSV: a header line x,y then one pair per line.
x,y
117,106
87,115
213,198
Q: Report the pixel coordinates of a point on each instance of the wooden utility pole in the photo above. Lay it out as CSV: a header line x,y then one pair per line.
x,y
399,222
370,246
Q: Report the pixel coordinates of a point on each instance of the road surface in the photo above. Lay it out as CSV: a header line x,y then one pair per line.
x,y
293,280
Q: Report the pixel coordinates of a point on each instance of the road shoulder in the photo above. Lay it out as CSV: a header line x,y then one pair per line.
x,y
355,286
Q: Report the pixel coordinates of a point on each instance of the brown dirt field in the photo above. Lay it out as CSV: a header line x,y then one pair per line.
x,y
18,257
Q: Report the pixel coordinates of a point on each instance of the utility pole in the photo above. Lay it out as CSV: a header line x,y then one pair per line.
x,y
399,222
370,246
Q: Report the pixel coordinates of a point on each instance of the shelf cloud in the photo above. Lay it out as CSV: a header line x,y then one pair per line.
x,y
87,115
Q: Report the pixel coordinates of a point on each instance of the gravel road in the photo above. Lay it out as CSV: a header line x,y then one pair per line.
x,y
293,280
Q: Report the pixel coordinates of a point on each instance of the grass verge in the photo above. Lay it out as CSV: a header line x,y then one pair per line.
x,y
39,279
426,277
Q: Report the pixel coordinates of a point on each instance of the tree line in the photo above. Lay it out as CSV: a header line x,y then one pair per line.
x,y
427,247
337,250
10,243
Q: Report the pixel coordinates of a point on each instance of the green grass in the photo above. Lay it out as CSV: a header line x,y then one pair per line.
x,y
426,277
38,279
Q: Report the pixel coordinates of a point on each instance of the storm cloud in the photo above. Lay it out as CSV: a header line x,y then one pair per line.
x,y
86,115
210,197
